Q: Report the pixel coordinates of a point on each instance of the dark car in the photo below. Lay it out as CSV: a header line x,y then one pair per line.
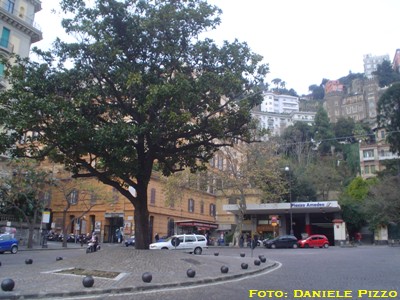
x,y
8,243
284,241
315,240
130,241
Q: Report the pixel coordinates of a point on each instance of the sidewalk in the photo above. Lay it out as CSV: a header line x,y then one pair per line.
x,y
126,265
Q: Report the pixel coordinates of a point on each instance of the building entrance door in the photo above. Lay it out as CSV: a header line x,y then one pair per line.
x,y
111,228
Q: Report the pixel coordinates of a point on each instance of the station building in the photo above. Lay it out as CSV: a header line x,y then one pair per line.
x,y
300,218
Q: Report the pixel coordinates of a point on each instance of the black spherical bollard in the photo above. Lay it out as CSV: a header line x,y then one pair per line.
x,y
0,263
191,273
244,266
7,285
88,281
263,259
260,256
224,269
216,253
28,261
257,262
242,254
59,258
147,277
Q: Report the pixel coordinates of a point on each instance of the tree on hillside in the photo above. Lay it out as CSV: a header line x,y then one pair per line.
x,y
317,92
323,132
296,143
389,116
22,193
382,204
343,129
386,74
140,89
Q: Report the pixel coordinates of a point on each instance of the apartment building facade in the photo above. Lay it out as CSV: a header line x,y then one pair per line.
x,y
371,63
277,112
372,156
18,29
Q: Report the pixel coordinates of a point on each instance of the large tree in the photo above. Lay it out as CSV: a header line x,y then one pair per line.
x,y
140,88
22,193
389,115
386,74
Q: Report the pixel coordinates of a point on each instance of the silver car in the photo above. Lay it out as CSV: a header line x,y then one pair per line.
x,y
192,243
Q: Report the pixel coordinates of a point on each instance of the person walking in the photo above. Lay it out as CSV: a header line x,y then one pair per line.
x,y
157,237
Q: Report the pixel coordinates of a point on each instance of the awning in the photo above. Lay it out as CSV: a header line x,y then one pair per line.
x,y
199,224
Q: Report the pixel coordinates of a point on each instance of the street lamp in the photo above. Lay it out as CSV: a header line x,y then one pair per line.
x,y
290,199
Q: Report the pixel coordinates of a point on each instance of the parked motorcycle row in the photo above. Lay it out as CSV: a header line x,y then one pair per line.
x,y
71,238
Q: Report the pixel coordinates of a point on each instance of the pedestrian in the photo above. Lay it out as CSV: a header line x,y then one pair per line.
x,y
358,238
241,241
157,237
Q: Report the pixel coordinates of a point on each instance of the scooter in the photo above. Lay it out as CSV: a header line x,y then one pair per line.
x,y
92,247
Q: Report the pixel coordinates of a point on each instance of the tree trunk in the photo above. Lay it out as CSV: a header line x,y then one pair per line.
x,y
64,229
31,228
142,234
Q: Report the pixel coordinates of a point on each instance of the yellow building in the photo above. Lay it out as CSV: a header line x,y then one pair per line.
x,y
92,206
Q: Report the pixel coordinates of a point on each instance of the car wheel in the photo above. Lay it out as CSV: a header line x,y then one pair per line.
x,y
273,246
164,248
197,251
295,246
306,246
326,245
14,249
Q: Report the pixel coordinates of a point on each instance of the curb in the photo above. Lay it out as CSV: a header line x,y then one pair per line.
x,y
116,291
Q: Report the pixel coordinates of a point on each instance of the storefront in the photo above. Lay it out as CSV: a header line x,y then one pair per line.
x,y
298,218
193,226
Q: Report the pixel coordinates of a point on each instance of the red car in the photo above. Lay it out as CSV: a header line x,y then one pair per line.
x,y
315,240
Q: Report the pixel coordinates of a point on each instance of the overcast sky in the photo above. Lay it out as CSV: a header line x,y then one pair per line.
x,y
303,41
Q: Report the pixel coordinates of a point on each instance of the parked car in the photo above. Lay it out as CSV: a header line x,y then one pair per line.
x,y
8,243
315,240
130,241
192,243
284,241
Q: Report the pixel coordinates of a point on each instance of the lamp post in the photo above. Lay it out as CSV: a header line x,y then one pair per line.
x,y
290,199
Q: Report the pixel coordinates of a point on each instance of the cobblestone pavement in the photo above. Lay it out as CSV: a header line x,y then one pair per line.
x,y
168,269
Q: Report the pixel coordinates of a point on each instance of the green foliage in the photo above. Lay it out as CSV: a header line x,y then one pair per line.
x,y
386,74
343,129
140,88
382,205
389,116
317,92
323,132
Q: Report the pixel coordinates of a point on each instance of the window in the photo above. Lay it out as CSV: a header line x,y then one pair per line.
x,y
9,5
191,205
190,239
366,169
382,134
73,197
212,210
368,153
373,169
93,198
5,37
153,196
